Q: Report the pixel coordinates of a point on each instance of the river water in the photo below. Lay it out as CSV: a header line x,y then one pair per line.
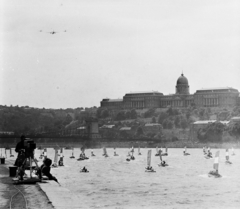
x,y
114,182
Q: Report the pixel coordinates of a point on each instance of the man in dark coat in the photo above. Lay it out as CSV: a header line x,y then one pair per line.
x,y
18,149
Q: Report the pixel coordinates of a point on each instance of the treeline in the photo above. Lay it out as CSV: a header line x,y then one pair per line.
x,y
36,121
214,132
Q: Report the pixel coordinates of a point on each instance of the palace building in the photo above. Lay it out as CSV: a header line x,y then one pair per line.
x,y
216,97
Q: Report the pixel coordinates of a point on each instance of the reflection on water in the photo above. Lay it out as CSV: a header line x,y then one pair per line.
x,y
115,183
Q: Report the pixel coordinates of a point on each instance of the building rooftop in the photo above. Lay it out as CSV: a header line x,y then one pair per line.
x,y
217,89
107,126
125,129
144,93
152,124
115,100
202,122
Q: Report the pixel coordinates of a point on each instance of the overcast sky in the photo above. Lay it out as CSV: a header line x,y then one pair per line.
x,y
113,47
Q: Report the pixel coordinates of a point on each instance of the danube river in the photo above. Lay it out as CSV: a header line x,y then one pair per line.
x,y
114,182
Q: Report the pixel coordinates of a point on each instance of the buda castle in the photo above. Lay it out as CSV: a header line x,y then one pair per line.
x,y
215,97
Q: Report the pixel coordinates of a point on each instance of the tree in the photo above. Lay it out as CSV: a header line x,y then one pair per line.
x,y
105,113
184,123
235,130
153,120
149,113
120,116
133,114
162,116
139,131
213,132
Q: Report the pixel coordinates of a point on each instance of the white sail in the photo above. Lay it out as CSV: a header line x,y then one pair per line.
x,y
160,155
56,157
45,152
157,150
227,154
216,161
149,158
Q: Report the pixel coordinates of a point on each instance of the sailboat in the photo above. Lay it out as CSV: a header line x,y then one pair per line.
x,y
115,153
132,157
157,152
215,173
55,162
11,155
227,157
105,152
60,162
72,153
139,153
92,154
45,153
233,153
42,154
165,153
149,167
82,155
185,151
162,162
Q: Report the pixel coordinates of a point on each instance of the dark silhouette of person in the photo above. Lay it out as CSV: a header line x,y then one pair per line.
x,y
20,150
45,169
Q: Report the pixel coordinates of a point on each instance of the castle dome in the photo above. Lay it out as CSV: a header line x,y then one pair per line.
x,y
182,86
182,80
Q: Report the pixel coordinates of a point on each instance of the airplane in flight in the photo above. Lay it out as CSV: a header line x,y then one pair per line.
x,y
53,32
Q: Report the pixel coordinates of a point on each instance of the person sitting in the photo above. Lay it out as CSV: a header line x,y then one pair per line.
x,y
45,169
84,169
149,168
209,154
214,173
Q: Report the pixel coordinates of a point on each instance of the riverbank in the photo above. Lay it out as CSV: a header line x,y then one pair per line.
x,y
20,196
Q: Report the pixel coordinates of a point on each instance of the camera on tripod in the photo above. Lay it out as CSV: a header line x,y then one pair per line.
x,y
29,147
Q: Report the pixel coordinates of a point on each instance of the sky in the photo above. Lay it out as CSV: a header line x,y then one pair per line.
x,y
113,47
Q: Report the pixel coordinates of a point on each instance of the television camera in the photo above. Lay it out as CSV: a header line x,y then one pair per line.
x,y
29,147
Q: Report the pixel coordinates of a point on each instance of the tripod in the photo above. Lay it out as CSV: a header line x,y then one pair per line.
x,y
22,168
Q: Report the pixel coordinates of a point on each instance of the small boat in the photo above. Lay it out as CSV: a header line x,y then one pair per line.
x,y
84,170
214,173
227,157
149,167
166,152
115,153
162,162
92,154
185,151
105,152
72,153
139,153
11,155
157,152
55,162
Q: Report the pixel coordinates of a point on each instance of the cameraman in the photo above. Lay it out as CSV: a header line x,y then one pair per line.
x,y
19,149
